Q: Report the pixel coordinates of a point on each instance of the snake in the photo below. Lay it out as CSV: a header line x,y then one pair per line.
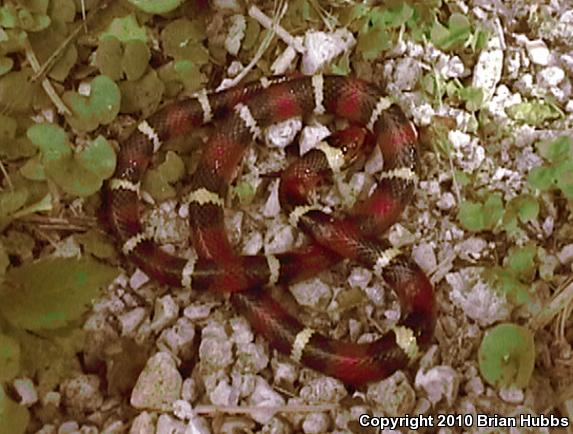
x,y
240,115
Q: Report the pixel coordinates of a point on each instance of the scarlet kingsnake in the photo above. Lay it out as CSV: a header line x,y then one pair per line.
x,y
241,112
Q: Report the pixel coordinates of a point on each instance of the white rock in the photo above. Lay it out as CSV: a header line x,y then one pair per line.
x,y
311,136
189,390
447,201
439,382
252,358
26,390
52,398
393,395
312,293
284,61
242,332
158,385
198,311
169,425
264,396
284,372
315,423
400,236
538,52
551,75
321,48
511,395
223,394
216,352
82,393
472,249
278,239
69,427
407,73
138,279
179,337
166,311
130,320
375,162
423,114
282,134
272,206
142,424
323,390
252,244
488,69
478,301
565,255
359,277
423,254
233,5
47,429
236,34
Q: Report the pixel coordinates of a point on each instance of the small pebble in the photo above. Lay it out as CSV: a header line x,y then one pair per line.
x,y
142,424
538,52
158,385
439,382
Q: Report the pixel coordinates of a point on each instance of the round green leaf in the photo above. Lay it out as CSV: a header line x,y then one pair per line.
x,y
9,358
507,356
156,6
126,29
52,293
14,418
541,178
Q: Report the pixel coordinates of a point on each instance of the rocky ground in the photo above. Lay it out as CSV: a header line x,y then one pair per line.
x,y
494,239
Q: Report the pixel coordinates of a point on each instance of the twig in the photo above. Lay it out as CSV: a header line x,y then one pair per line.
x,y
236,409
46,84
261,50
45,68
556,305
6,176
266,22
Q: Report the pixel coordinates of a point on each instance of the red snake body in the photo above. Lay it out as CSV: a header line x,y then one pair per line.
x,y
241,113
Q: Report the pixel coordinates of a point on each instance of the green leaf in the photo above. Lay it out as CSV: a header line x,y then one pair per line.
x,y
372,44
108,57
9,358
52,293
156,7
534,112
11,201
96,244
557,150
457,32
126,29
541,178
17,92
135,59
564,178
78,173
157,180
100,107
14,418
493,208
245,192
182,39
477,217
520,260
507,356
143,95
528,208
190,75
471,216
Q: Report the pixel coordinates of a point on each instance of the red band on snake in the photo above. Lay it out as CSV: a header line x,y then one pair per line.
x,y
240,114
